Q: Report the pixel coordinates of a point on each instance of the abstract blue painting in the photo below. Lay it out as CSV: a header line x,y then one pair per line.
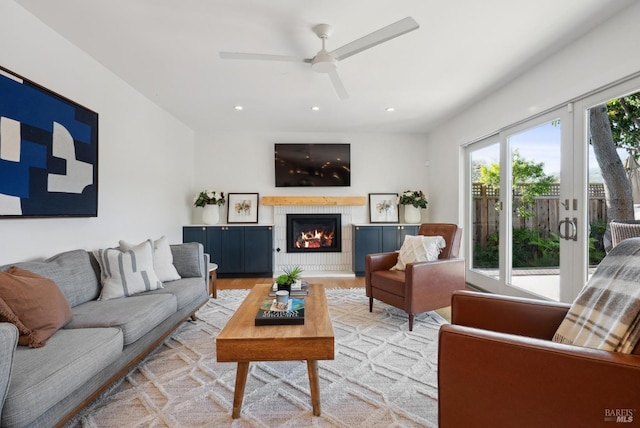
x,y
48,152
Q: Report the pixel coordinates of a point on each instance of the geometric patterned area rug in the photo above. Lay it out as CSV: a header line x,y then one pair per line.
x,y
383,375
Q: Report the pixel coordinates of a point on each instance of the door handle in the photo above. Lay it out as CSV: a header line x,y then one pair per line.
x,y
570,229
565,227
574,224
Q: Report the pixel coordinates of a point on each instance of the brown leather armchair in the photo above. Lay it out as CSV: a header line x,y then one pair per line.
x,y
423,286
498,367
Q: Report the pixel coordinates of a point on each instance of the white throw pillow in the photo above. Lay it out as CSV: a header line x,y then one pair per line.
x,y
162,259
419,249
125,273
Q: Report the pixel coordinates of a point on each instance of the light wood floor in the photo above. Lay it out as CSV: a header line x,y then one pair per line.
x,y
357,282
246,283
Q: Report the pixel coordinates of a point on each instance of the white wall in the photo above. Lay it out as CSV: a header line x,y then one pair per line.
x,y
145,155
240,162
606,54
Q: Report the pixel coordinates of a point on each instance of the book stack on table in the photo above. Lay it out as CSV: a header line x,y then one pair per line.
x,y
269,314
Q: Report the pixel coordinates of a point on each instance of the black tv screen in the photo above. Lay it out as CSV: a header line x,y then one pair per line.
x,y
304,165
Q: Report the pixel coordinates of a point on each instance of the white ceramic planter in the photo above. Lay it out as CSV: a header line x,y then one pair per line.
x,y
412,214
211,214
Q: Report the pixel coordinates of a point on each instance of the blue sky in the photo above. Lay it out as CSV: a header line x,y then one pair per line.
x,y
539,144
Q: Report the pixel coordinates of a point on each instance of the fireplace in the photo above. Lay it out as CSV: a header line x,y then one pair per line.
x,y
313,233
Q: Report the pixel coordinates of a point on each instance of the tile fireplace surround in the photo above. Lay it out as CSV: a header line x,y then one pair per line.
x,y
313,264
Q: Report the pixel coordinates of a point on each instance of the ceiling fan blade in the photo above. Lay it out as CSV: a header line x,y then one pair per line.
x,y
379,36
262,57
338,86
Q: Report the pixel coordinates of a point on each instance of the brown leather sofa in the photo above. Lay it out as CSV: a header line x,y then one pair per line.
x,y
423,286
497,367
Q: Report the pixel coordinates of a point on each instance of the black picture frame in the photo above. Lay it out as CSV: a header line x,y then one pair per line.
x,y
383,208
242,207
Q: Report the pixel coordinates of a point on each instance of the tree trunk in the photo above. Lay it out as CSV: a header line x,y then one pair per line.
x,y
617,189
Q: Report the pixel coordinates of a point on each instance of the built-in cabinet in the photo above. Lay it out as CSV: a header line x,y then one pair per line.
x,y
368,239
237,250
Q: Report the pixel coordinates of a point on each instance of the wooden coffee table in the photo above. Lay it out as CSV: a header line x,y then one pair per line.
x,y
241,341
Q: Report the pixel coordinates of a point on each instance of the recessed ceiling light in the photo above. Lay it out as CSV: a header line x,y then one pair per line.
x,y
315,108
390,109
238,108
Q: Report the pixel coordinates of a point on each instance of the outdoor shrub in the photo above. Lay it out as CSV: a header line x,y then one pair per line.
x,y
530,249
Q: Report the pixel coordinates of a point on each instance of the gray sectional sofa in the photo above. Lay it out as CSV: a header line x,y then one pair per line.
x,y
44,387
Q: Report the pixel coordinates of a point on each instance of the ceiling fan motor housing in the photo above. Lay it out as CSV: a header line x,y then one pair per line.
x,y
323,62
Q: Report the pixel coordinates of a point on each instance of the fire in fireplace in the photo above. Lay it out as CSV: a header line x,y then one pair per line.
x,y
317,233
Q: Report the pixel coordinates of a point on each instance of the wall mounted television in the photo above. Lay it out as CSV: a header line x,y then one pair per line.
x,y
309,165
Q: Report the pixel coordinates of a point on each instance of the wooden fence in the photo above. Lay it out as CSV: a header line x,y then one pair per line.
x,y
546,210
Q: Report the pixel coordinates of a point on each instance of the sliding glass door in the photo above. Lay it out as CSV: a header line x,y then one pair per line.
x,y
521,215
541,194
610,136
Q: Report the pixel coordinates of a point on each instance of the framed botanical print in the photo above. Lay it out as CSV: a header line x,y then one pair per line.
x,y
243,208
383,208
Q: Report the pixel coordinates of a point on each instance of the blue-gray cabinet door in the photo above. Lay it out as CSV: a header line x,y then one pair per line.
x,y
367,240
258,249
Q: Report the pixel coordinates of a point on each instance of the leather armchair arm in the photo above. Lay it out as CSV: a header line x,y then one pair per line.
x,y
380,261
421,271
377,261
513,315
500,380
443,276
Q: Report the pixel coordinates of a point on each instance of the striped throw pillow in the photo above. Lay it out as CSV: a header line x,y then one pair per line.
x,y
162,259
125,273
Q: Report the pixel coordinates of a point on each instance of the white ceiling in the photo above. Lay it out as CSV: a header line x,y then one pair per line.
x,y
464,49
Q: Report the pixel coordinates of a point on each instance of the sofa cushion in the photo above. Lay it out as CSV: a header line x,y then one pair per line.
x,y
44,376
75,272
36,302
186,290
125,273
8,342
419,249
135,316
186,264
162,259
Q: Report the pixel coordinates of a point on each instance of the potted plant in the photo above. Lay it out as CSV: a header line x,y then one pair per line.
x,y
413,200
209,197
288,278
210,200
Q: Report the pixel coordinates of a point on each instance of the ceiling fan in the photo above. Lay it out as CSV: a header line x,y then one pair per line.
x,y
326,62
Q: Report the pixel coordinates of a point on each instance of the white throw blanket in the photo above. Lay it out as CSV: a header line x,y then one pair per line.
x,y
606,313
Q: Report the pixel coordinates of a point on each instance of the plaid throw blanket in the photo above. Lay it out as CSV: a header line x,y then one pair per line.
x,y
606,313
